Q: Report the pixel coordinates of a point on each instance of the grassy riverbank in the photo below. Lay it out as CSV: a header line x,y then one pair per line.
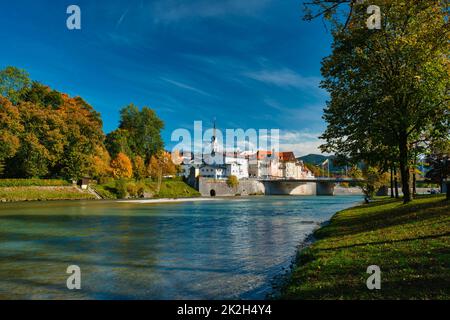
x,y
410,243
171,188
42,193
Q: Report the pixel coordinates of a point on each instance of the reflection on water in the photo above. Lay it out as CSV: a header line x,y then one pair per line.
x,y
225,249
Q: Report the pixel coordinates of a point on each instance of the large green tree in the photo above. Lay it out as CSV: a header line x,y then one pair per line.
x,y
139,133
387,86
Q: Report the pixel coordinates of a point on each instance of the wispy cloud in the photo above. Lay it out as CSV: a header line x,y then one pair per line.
x,y
185,86
284,78
122,17
175,10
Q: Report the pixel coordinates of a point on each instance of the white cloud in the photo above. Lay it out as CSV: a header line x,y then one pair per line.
x,y
301,143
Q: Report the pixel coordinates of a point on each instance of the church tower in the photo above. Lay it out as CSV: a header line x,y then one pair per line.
x,y
214,140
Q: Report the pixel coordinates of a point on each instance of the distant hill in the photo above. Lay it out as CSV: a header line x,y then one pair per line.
x,y
315,159
318,159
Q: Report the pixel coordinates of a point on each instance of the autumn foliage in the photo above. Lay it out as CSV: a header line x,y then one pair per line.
x,y
121,167
48,134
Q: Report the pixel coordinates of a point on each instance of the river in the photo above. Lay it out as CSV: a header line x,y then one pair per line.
x,y
221,249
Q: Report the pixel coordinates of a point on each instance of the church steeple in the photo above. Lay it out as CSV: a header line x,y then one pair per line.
x,y
214,140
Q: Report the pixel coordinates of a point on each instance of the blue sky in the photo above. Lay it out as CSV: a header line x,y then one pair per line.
x,y
250,64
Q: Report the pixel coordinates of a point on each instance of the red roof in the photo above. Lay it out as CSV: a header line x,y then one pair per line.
x,y
286,156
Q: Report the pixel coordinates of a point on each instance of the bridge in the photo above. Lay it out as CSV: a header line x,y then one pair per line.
x,y
318,186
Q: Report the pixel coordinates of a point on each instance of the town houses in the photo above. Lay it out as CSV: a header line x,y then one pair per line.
x,y
262,164
245,165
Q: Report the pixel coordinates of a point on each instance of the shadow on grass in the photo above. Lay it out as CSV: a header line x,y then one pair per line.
x,y
347,224
387,242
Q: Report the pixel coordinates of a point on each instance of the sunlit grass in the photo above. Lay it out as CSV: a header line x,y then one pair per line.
x,y
42,193
410,243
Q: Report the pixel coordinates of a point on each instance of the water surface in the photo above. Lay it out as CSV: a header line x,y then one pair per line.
x,y
223,249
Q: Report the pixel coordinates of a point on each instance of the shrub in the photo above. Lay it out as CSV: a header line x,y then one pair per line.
x,y
132,189
121,188
105,180
233,182
140,187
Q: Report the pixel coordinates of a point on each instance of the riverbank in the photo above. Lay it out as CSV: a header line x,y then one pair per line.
x,y
408,242
168,189
43,193
14,190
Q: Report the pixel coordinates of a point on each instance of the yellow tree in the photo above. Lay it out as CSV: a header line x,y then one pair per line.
x,y
140,171
121,166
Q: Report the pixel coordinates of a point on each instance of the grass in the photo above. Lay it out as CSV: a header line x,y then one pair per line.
x,y
410,243
106,191
32,182
173,188
34,193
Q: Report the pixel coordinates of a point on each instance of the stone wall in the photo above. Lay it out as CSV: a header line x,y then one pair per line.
x,y
290,188
219,188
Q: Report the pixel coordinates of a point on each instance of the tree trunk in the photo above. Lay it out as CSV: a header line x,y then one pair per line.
x,y
392,183
395,182
448,190
404,168
414,176
158,188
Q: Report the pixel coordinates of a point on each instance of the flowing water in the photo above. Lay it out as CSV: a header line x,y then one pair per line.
x,y
221,249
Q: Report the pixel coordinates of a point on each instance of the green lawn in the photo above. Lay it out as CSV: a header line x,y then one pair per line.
x,y
33,193
33,182
410,243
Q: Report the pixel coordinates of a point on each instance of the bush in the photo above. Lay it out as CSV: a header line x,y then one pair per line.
x,y
132,190
105,180
233,182
121,188
140,189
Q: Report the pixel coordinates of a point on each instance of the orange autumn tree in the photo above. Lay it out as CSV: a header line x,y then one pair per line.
x,y
161,164
121,166
100,163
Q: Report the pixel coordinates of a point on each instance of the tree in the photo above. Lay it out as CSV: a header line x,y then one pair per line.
x,y
83,134
10,129
387,86
121,167
42,95
153,167
12,82
117,141
439,162
100,163
143,131
233,182
140,171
